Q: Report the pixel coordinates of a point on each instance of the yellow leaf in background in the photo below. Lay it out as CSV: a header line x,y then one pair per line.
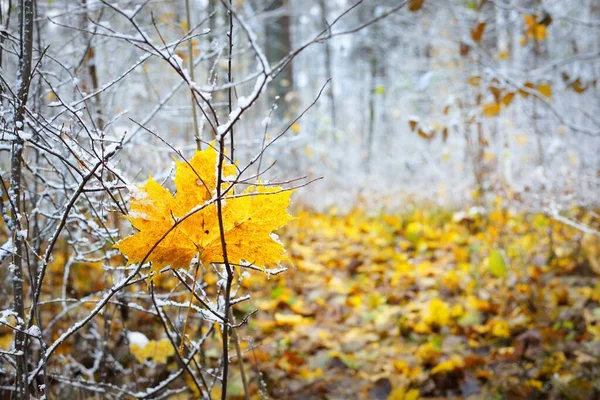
x,y
374,300
309,374
267,304
438,313
6,341
164,349
422,328
425,135
404,369
508,98
354,301
534,30
167,17
50,97
578,86
445,133
401,393
497,265
299,307
523,40
529,21
215,392
451,280
157,351
412,124
592,321
491,110
266,326
427,353
414,230
165,238
540,32
457,311
501,329
478,304
455,362
308,151
525,93
534,383
497,92
401,366
138,352
521,139
289,319
545,90
503,55
573,160
296,127
474,80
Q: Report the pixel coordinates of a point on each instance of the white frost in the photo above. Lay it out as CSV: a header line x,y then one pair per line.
x,y
6,249
265,122
137,338
34,331
244,102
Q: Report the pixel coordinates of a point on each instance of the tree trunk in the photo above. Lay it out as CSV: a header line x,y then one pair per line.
x,y
328,67
278,46
372,112
23,80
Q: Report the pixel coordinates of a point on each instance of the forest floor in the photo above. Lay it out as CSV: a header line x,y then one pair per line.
x,y
425,303
491,305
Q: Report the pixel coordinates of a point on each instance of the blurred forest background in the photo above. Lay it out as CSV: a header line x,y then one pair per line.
x,y
454,97
445,156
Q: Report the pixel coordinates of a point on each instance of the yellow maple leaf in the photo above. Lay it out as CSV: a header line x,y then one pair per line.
x,y
152,213
173,229
249,222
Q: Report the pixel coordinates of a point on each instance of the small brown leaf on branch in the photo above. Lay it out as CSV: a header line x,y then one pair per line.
x,y
477,31
415,5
